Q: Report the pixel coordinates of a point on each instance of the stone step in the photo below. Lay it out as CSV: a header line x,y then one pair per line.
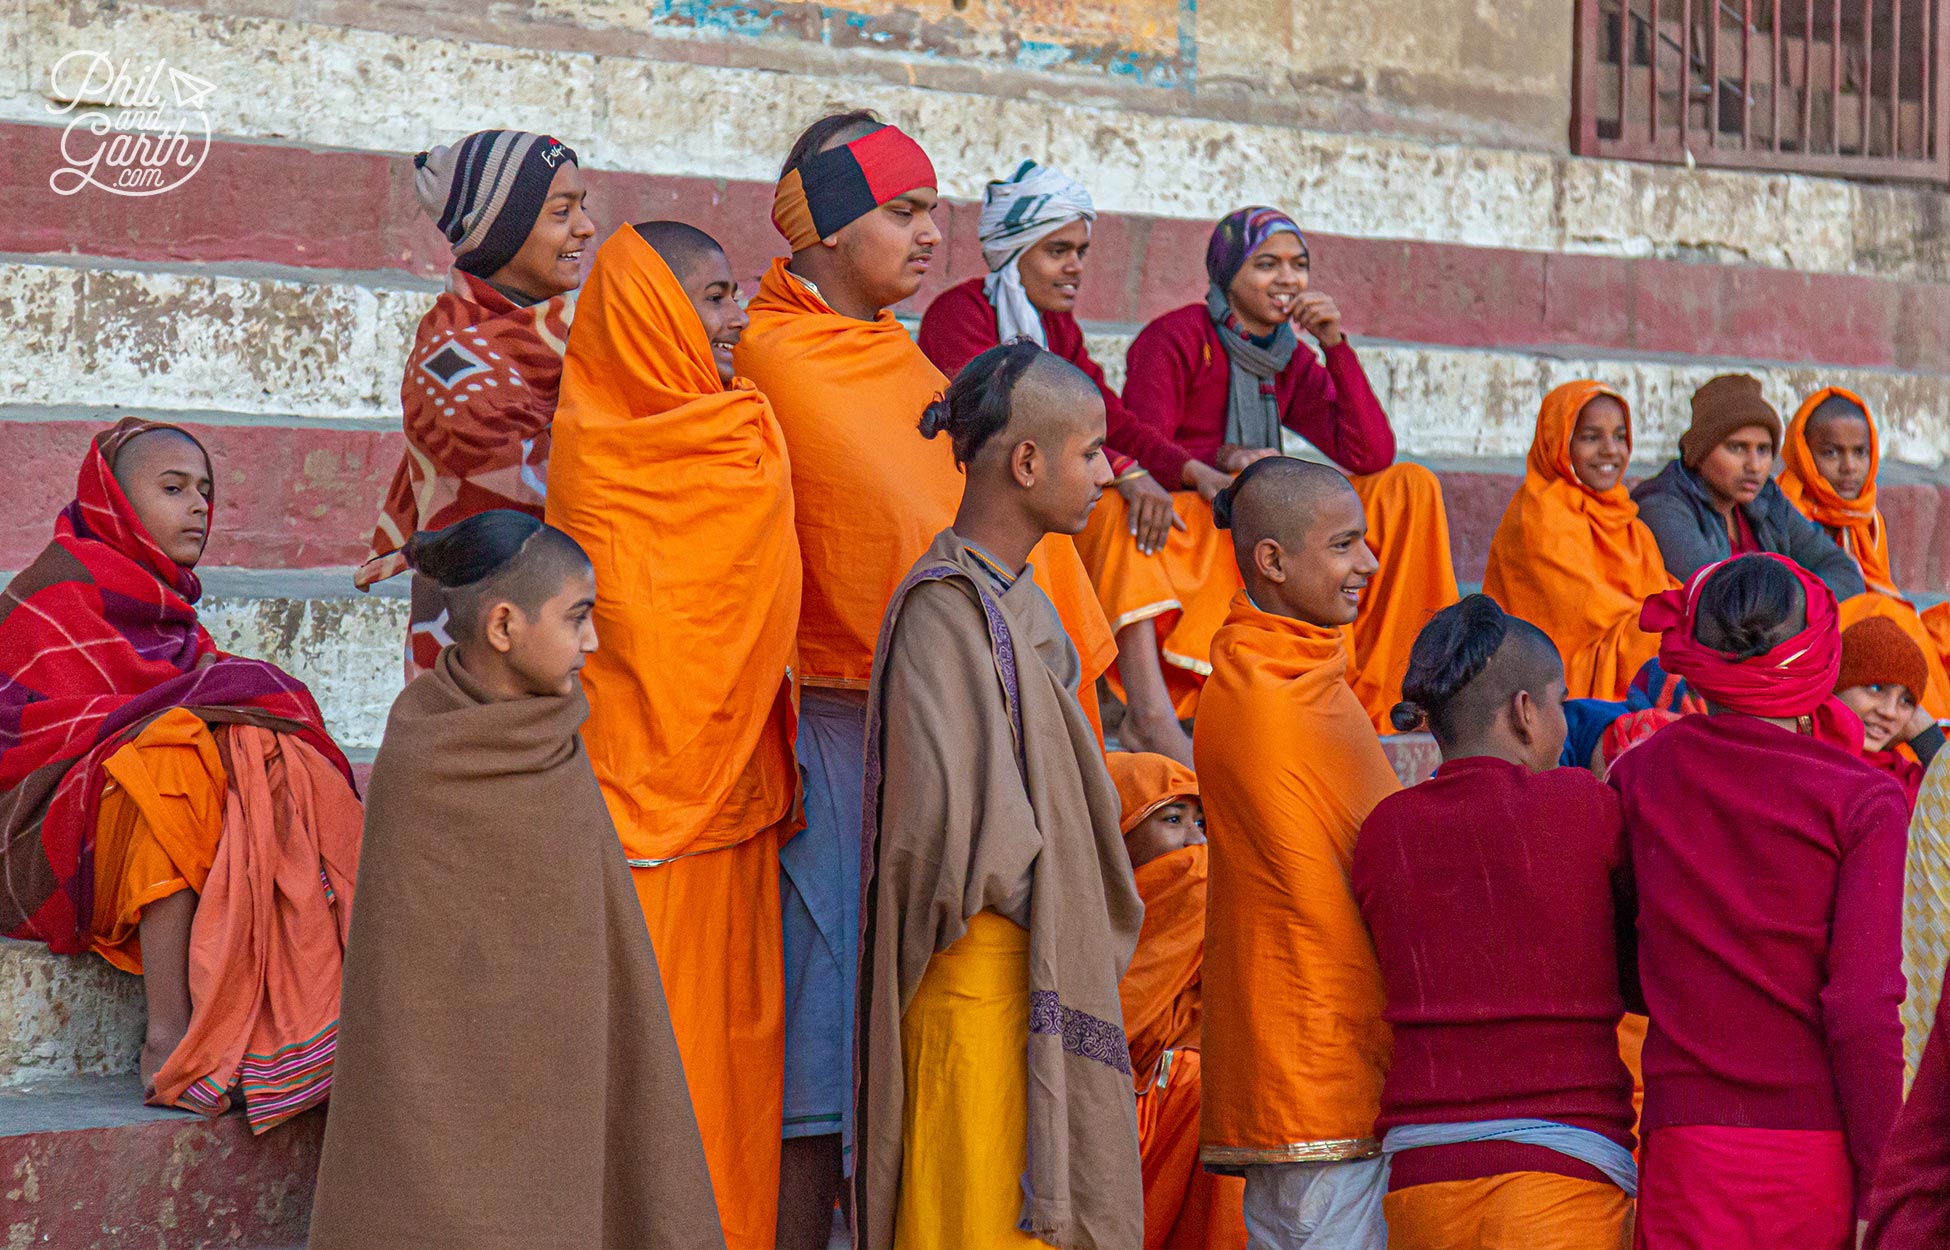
x,y
85,1166
317,345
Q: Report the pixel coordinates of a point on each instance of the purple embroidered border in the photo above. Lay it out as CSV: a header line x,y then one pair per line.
x,y
1084,1035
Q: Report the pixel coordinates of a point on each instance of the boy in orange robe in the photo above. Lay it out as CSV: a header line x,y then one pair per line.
x,y
870,493
1831,457
1164,833
1295,1048
1571,555
671,473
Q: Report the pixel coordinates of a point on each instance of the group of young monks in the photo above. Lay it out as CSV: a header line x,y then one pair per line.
x,y
744,846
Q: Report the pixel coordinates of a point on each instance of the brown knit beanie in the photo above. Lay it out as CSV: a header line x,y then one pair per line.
x,y
1727,403
1876,652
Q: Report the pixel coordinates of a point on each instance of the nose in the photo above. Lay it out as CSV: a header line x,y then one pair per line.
x,y
1365,563
927,234
590,643
737,319
1100,474
582,225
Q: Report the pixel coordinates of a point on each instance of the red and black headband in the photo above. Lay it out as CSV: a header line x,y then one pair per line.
x,y
843,184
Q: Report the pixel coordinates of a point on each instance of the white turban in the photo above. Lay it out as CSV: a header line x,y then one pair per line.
x,y
1017,213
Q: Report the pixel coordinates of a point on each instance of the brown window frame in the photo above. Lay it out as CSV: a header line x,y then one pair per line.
x,y
1876,111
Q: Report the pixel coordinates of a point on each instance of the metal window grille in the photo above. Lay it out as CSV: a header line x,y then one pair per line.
x,y
1855,88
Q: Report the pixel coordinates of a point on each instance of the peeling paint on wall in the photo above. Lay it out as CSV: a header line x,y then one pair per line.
x,y
1149,42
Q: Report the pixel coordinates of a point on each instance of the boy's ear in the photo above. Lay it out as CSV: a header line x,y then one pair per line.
x,y
1523,716
1024,463
498,627
1270,559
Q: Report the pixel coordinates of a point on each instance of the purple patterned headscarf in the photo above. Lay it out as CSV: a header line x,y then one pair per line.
x,y
1238,236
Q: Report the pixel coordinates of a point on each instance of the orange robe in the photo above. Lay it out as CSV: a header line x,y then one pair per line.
x,y
1295,1048
871,492
1577,563
679,489
266,831
1857,526
1187,588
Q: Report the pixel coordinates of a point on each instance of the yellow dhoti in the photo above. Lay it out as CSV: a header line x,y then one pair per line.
x,y
965,1122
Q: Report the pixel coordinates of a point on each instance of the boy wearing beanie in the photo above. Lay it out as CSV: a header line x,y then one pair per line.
x,y
1719,498
1882,680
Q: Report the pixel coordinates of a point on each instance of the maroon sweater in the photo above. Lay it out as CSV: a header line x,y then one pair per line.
x,y
960,325
1177,378
1910,1209
1489,891
1770,892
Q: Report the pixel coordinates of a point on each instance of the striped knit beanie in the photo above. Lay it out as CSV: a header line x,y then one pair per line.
x,y
486,191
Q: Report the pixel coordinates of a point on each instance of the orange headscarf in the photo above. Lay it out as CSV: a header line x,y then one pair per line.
x,y
1856,524
679,489
1146,782
1575,562
871,492
1294,1044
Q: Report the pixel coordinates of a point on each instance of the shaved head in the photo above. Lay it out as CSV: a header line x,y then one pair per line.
x,y
1528,660
1299,533
683,247
1052,398
1836,407
1278,498
828,133
150,448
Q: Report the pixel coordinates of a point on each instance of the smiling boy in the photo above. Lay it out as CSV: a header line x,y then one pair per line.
x,y
481,380
1289,766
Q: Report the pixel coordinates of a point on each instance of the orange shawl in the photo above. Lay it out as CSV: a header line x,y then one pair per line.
x,y
1577,563
871,493
1294,1045
679,490
1855,524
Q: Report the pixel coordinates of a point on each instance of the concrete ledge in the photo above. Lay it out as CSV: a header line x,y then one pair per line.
x,y
65,1016
85,1166
350,651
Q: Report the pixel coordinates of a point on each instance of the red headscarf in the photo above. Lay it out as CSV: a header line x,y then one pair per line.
x,y
98,636
1796,678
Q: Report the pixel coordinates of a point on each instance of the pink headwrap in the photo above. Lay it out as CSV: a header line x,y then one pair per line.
x,y
1796,678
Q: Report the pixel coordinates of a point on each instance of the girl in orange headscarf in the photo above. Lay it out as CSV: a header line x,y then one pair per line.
x,y
1571,555
1831,458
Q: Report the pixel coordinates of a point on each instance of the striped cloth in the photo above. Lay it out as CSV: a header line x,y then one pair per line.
x,y
1017,213
1926,910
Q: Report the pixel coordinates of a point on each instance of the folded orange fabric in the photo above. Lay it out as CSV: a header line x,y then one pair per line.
x,y
679,489
1289,766
871,493
1577,563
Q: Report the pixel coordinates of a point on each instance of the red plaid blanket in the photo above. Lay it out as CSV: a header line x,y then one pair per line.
x,y
98,636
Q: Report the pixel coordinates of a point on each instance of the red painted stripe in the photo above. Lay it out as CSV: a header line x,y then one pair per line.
x,y
353,210
295,498
286,497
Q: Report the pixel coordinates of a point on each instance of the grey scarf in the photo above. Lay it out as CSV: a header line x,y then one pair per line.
x,y
1252,399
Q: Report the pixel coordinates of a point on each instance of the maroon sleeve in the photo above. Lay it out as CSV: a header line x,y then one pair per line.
x,y
1910,1208
957,327
1335,409
1124,434
1862,999
1157,377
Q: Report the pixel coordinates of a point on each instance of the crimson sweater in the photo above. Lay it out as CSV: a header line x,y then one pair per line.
x,y
1489,891
960,325
1178,377
1910,1209
1770,893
